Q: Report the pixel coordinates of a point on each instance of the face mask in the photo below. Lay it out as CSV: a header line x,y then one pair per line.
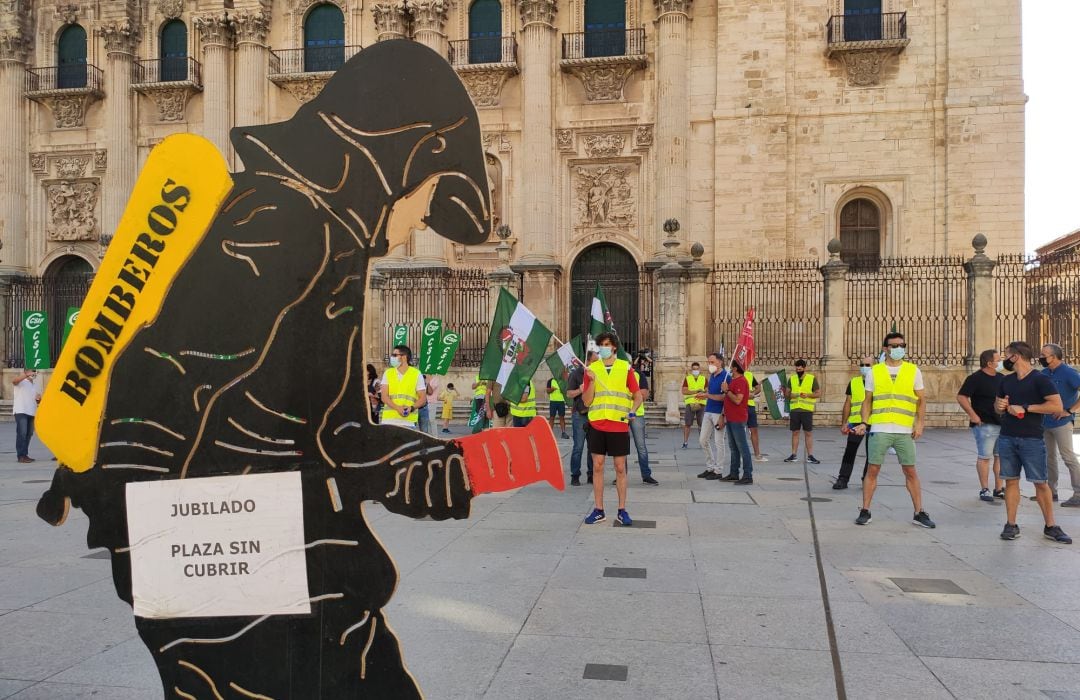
x,y
1044,362
395,361
897,353
799,371
865,371
1000,366
1008,365
695,372
712,369
605,352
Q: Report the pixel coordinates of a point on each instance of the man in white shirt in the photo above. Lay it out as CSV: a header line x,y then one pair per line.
x,y
27,395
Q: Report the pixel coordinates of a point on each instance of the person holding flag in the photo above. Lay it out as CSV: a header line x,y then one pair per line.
x,y
478,419
557,404
579,419
612,394
736,395
524,410
403,390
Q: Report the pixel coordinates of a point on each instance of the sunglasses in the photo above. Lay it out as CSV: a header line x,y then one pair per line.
x,y
396,354
865,365
899,345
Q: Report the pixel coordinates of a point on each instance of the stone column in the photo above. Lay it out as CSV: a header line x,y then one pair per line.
x,y
14,163
251,67
390,20
672,111
375,338
537,132
697,336
121,41
836,308
981,311
216,33
672,351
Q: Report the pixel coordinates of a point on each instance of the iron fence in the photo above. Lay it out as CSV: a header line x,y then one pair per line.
x,y
788,301
482,50
874,26
53,296
603,42
1037,300
73,76
312,59
923,298
166,70
458,297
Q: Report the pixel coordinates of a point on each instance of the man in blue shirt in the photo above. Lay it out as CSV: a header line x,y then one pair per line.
x,y
713,438
1058,429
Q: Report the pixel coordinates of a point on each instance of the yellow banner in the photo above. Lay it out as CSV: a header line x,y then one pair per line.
x,y
178,193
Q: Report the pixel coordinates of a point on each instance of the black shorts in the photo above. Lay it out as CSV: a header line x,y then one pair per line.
x,y
603,442
751,416
801,420
556,408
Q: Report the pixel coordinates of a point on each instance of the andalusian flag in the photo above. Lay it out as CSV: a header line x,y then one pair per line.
x,y
601,321
773,388
562,359
515,346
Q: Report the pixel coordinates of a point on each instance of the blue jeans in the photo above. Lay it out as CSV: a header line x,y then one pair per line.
x,y
424,421
1028,453
637,431
521,421
579,423
739,446
24,430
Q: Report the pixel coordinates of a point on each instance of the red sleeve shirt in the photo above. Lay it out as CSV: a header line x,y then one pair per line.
x,y
737,412
611,426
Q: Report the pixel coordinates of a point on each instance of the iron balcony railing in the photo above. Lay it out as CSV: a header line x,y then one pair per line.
x,y
167,70
603,43
488,49
79,76
313,59
888,26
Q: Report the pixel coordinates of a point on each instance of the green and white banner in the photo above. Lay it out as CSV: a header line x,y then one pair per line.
x,y
401,335
601,320
563,359
516,344
430,337
69,323
773,388
447,349
35,329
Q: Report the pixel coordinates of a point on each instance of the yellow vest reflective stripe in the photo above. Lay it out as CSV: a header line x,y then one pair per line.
x,y
557,394
858,393
806,387
480,391
894,400
528,408
611,397
641,408
750,384
402,390
696,384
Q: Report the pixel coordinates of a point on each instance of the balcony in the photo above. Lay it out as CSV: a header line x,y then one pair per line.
x,y
66,90
169,82
865,42
603,60
304,72
484,64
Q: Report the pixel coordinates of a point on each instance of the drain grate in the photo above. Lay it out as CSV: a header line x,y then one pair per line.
x,y
605,672
623,572
941,586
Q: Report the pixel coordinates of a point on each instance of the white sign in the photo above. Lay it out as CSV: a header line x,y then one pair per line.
x,y
218,546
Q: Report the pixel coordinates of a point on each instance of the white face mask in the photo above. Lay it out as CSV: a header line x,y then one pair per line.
x,y
695,372
395,361
865,371
1000,366
713,369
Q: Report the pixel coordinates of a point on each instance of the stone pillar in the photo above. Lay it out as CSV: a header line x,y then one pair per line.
x,y
537,132
981,311
14,163
375,337
697,322
672,111
836,308
390,20
251,67
672,283
121,41
216,33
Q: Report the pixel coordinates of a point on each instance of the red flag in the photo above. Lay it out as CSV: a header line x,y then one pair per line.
x,y
744,350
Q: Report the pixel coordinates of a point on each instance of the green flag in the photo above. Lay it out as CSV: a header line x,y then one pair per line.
x,y
401,335
430,339
35,327
601,321
516,344
563,359
69,323
773,389
447,349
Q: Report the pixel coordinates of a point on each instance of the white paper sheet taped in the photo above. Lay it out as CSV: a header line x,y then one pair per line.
x,y
218,546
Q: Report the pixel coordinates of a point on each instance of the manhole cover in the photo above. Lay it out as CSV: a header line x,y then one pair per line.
x,y
816,499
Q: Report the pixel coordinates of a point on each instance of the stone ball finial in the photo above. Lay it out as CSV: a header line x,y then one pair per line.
x,y
979,243
696,251
834,247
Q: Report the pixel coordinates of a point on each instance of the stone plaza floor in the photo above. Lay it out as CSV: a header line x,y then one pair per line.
x,y
714,593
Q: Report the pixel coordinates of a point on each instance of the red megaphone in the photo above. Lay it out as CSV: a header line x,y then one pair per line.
x,y
501,459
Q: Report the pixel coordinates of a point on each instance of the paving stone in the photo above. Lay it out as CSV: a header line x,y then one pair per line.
x,y
605,672
624,572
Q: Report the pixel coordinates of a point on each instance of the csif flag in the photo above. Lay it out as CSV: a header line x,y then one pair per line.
x,y
447,349
744,349
431,332
401,335
516,344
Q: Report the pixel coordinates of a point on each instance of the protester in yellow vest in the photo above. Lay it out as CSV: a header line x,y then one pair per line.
x,y
893,409
524,410
802,393
852,417
478,417
693,391
557,404
403,390
751,421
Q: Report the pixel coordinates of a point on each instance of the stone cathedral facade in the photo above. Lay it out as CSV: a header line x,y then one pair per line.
x,y
765,128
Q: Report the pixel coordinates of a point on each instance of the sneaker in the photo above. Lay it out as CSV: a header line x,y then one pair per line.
x,y
1072,502
714,476
1056,534
565,436
684,445
839,485
986,496
575,481
812,459
705,474
922,519
596,516
589,480
615,482
730,477
864,517
623,518
446,430
792,458
1010,532
761,458
1034,498
745,481
999,493
650,481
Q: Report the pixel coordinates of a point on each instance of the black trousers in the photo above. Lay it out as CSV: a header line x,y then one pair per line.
x,y
850,452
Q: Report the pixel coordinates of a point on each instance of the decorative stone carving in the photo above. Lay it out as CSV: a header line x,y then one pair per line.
x,y
37,163
864,67
390,20
304,87
72,206
484,84
664,7
604,197
537,11
120,37
101,158
170,103
603,80
215,29
71,167
564,140
66,12
251,27
603,145
172,9
643,136
428,15
69,111
14,45
494,141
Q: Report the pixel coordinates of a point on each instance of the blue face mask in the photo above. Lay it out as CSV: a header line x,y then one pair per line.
x,y
395,361
604,352
897,353
865,371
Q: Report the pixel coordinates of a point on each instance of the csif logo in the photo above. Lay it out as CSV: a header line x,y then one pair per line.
x,y
73,318
450,338
431,328
33,321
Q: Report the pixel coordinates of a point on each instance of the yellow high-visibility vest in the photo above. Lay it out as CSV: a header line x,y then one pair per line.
x,y
641,408
481,389
750,387
695,384
806,387
858,394
402,390
611,398
526,409
895,401
557,394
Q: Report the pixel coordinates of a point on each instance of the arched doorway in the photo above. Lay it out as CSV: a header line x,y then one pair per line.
x,y
64,284
71,58
617,273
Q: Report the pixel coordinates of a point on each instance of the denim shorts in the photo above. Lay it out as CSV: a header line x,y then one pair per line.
x,y
1026,452
751,416
986,439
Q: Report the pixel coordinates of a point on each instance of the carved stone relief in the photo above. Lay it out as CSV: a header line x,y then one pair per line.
x,y
564,139
428,15
251,26
67,12
603,145
72,207
215,29
604,196
603,82
170,103
643,136
664,7
541,11
303,88
496,141
71,167
864,67
484,86
37,163
120,37
171,8
101,158
390,20
69,111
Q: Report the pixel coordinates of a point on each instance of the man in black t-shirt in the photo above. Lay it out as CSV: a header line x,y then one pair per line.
x,y
976,397
1023,399
579,420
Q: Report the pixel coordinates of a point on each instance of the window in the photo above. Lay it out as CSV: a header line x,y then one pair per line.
x,y
173,51
324,39
860,235
605,28
71,58
862,20
485,31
